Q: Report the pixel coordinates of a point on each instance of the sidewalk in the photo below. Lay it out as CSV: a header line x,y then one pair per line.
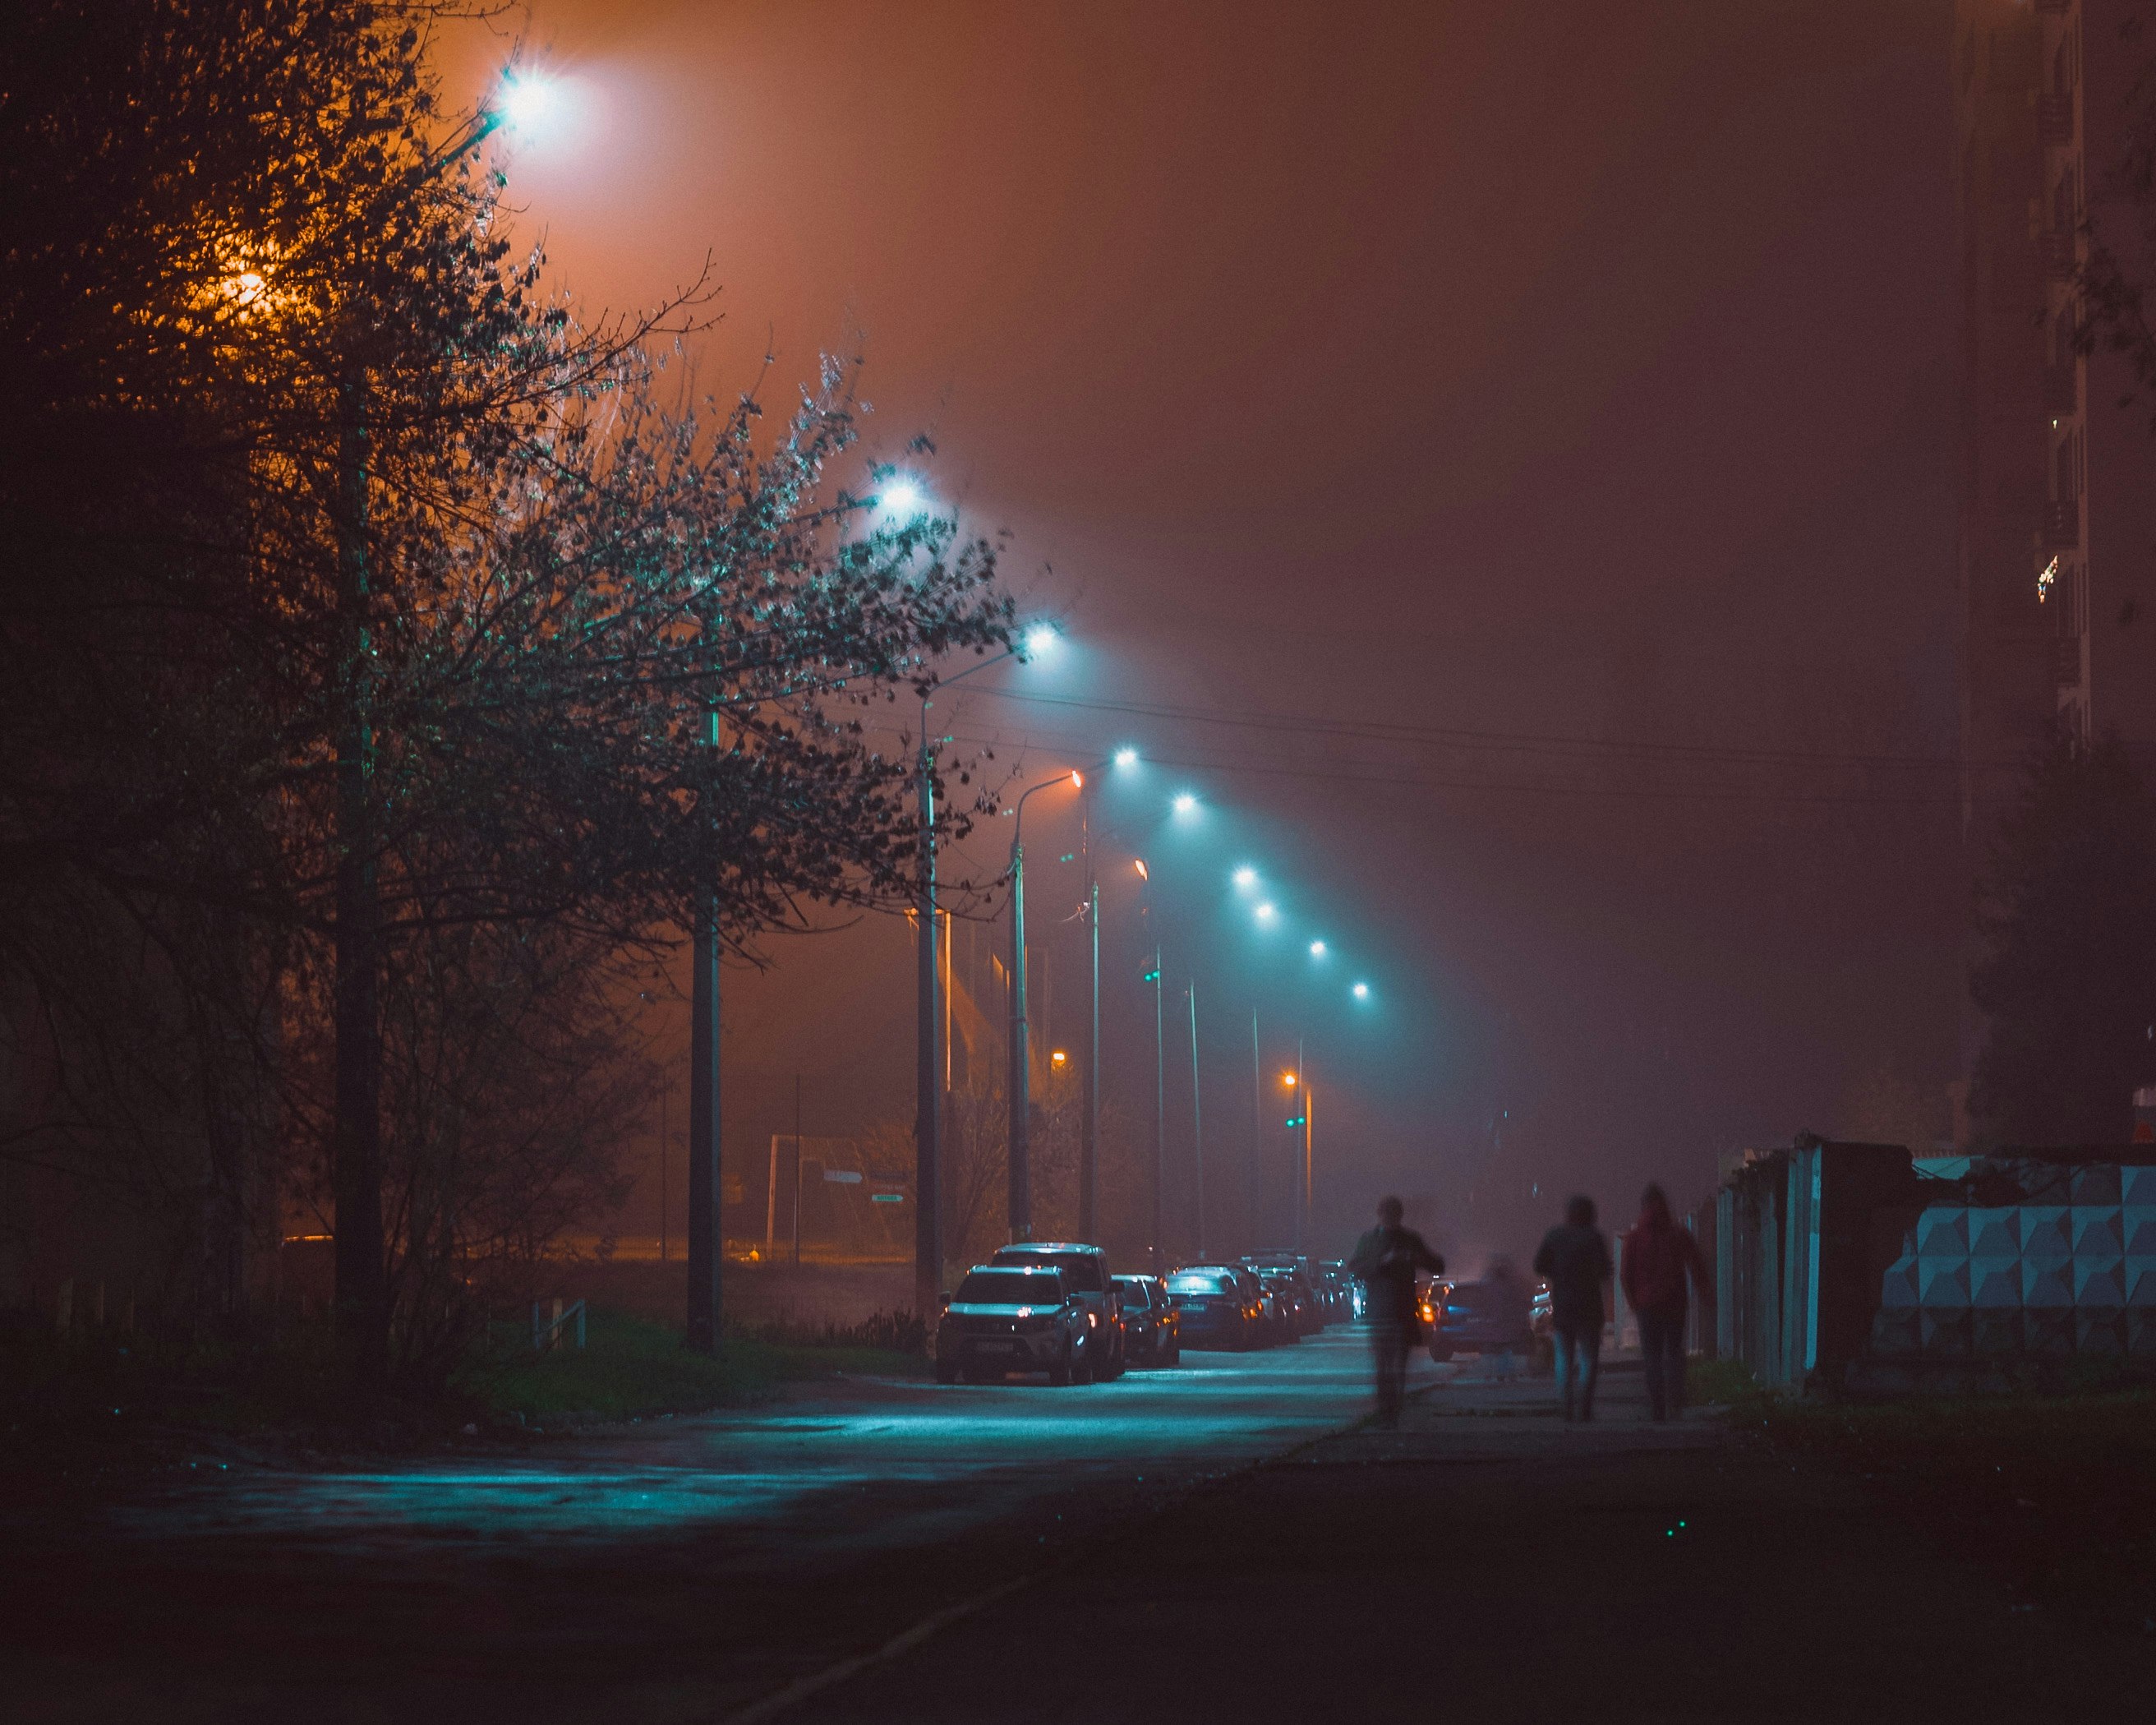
x,y
1487,1561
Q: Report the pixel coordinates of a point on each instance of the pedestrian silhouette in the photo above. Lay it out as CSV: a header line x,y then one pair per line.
x,y
1660,1256
1575,1259
1387,1259
1511,1313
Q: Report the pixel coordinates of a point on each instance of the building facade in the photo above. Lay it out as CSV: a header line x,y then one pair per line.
x,y
2058,552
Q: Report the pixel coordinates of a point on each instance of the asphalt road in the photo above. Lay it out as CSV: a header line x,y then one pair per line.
x,y
680,1569
1227,1540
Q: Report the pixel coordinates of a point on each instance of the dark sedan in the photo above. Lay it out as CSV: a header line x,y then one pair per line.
x,y
1151,1329
1212,1308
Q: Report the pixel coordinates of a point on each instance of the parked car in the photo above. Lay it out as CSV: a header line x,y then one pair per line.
x,y
1006,1318
1151,1329
1305,1308
1213,1308
1085,1278
1479,1317
1298,1310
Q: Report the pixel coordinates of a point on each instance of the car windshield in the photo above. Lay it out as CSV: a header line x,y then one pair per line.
x,y
1196,1285
1008,1287
1081,1270
1133,1292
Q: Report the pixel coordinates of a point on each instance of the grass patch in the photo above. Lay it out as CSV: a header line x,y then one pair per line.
x,y
2051,1493
631,1367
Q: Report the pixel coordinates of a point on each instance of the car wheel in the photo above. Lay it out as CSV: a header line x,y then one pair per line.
x,y
1059,1375
1174,1357
1439,1353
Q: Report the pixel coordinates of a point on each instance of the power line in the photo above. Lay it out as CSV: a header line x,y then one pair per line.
x,y
1373,730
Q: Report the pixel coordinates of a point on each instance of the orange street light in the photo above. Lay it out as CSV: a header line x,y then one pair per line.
x,y
1288,1079
1059,1060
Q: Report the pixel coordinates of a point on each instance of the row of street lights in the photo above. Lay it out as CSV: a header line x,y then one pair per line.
x,y
1085,782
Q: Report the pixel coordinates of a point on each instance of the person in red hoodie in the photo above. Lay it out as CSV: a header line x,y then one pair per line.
x,y
1659,1255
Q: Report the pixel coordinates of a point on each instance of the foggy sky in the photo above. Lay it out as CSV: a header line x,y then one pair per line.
x,y
1572,382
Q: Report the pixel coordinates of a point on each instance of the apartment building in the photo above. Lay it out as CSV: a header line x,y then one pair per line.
x,y
2058,552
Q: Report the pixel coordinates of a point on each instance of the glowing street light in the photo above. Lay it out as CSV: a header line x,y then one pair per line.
x,y
1041,638
1246,878
1267,912
1317,949
526,101
1144,873
1361,991
1288,1079
1185,804
902,497
1127,758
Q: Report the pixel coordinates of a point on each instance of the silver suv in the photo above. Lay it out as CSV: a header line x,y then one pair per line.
x,y
1086,1279
1009,1317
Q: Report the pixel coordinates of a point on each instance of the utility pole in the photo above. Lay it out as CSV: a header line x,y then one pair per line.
x,y
797,1170
707,1241
665,1090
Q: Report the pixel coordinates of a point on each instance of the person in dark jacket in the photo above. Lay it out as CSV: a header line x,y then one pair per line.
x,y
1659,1256
1387,1259
1574,1261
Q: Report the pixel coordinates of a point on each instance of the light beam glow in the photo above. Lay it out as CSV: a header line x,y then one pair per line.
x,y
1040,639
1317,949
1361,991
1126,757
1185,804
1246,877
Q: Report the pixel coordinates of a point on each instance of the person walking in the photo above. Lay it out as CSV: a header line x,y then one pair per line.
x,y
1659,1255
1387,1259
1575,1259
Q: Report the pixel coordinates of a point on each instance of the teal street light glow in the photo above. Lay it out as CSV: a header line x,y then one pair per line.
x,y
1246,878
902,497
1317,949
1361,991
1041,638
1185,804
1266,912
1127,758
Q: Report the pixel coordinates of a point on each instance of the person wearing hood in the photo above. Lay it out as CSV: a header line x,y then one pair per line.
x,y
1575,1259
1658,1257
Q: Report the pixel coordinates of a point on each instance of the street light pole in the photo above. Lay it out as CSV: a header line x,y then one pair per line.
x,y
1197,1122
929,1072
1159,1113
1018,1086
706,1189
1295,1173
1253,1185
1089,1158
928,1064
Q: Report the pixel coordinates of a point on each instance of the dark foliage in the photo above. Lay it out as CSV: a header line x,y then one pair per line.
x,y
380,653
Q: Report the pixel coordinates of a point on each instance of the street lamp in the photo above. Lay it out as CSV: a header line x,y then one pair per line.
x,y
1159,1071
928,1010
1018,1086
1088,1149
